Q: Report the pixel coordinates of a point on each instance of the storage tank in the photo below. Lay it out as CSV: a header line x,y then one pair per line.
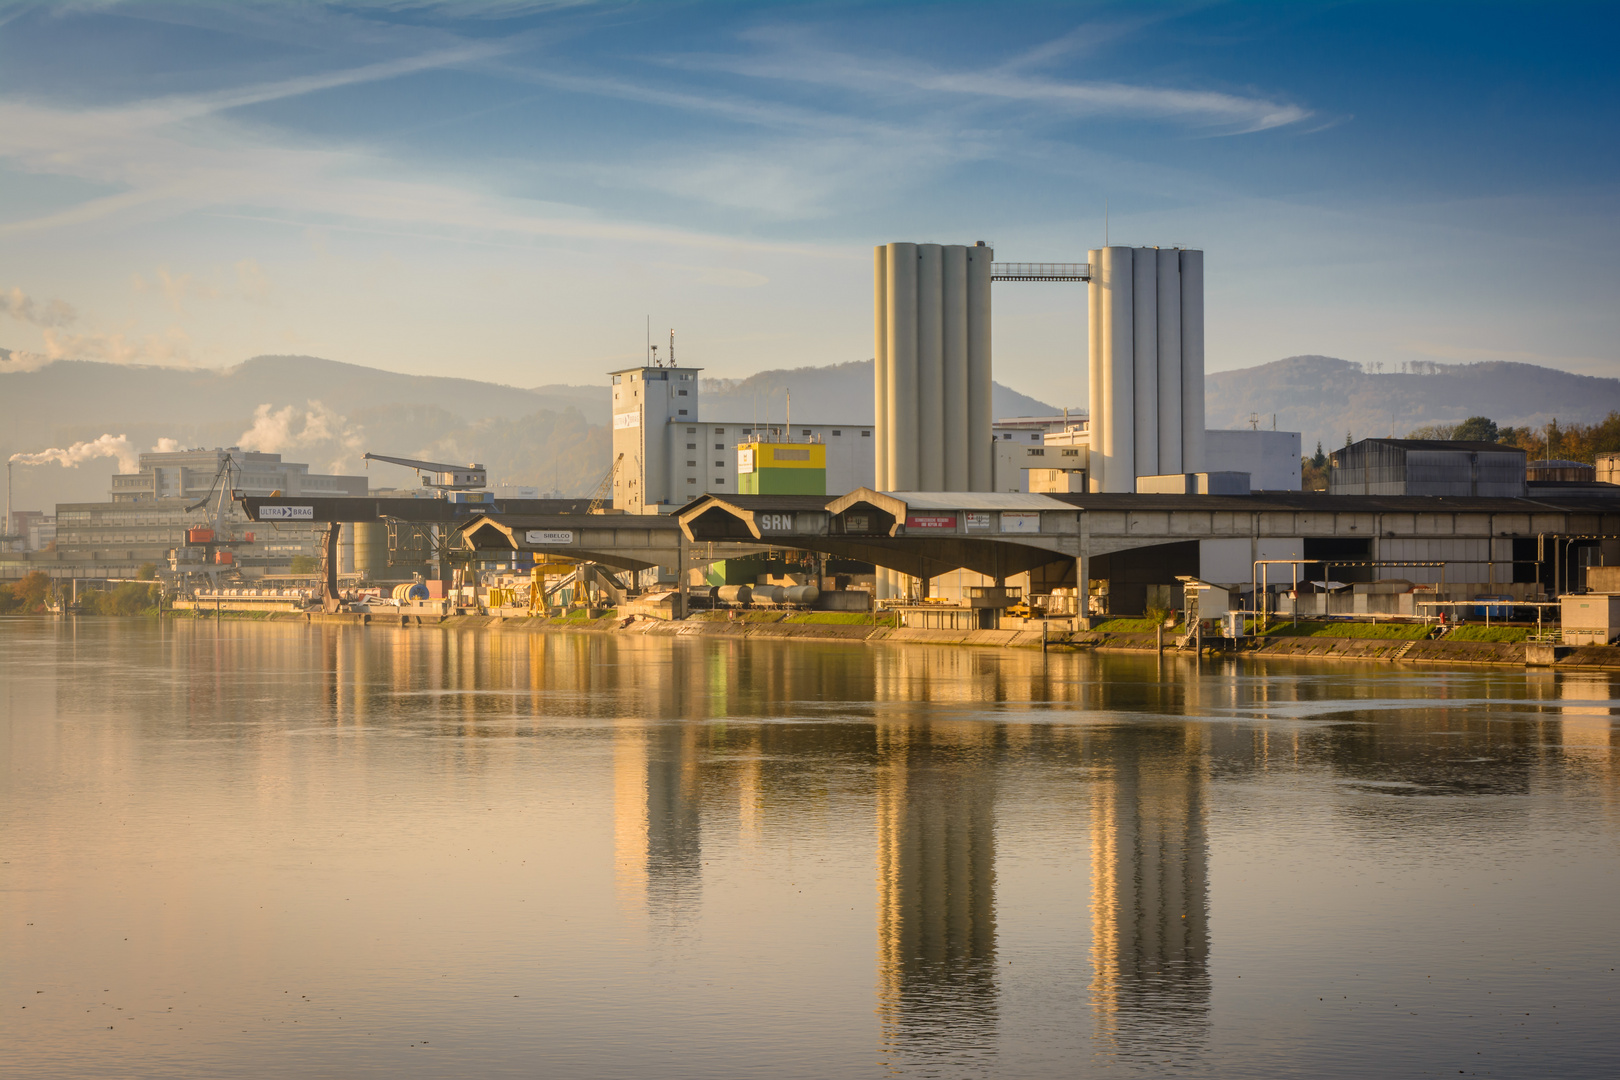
x,y
734,594
802,595
768,594
411,590
371,549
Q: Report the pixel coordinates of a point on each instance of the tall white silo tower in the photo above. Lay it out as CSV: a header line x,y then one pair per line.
x,y
931,344
1147,364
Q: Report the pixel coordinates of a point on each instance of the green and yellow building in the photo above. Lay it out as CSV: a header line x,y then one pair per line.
x,y
777,468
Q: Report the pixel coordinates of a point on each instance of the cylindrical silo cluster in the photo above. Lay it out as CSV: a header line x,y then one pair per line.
x,y
1147,364
931,343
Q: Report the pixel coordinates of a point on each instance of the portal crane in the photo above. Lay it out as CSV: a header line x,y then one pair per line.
x,y
441,476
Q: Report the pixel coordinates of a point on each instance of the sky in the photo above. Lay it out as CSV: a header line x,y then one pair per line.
x,y
522,192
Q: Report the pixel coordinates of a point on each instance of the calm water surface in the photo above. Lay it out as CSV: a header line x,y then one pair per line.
x,y
269,850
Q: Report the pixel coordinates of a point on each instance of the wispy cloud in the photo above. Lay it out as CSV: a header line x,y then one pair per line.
x,y
791,57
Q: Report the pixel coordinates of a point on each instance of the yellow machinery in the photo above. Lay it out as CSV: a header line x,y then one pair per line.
x,y
537,582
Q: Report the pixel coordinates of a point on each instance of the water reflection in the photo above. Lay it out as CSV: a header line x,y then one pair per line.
x,y
1149,890
936,893
930,792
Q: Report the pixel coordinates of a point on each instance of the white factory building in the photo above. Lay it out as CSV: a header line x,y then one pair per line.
x,y
666,454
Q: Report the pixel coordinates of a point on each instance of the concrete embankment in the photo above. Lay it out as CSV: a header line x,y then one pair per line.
x,y
1507,654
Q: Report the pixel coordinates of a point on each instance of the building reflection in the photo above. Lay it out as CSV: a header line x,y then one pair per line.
x,y
657,823
936,900
1150,890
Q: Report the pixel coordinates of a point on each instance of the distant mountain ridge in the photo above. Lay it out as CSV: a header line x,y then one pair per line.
x,y
1324,398
328,413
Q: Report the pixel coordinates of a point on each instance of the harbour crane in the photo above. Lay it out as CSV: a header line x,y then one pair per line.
x,y
441,476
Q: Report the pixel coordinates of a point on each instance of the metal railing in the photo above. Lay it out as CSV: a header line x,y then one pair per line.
x,y
1011,271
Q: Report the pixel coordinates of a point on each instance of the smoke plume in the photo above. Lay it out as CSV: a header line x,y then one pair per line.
x,y
316,430
117,446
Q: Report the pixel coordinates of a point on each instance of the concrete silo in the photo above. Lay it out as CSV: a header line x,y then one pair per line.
x,y
931,345
1147,364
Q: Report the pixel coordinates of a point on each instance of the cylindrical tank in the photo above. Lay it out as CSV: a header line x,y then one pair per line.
x,y
1192,361
1096,362
734,594
981,454
1169,303
768,594
954,319
1119,435
900,398
802,595
880,359
1145,349
411,590
930,369
370,549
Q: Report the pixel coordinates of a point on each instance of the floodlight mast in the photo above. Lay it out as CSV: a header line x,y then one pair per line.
x,y
439,475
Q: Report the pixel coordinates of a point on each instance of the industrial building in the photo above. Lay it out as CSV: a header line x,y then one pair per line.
x,y
1271,458
150,511
1427,467
1147,364
665,454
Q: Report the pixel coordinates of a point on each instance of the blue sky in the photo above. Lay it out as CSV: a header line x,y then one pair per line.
x,y
509,191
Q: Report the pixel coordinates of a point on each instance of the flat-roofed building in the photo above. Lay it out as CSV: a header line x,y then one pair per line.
x,y
1427,467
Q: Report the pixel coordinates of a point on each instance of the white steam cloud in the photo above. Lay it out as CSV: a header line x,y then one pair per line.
x,y
316,429
117,446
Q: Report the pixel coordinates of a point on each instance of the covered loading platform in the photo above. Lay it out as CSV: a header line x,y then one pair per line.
x,y
920,534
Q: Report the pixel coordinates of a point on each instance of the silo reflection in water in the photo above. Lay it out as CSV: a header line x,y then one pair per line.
x,y
936,894
1149,892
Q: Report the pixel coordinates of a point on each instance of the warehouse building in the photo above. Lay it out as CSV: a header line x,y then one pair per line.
x,y
147,515
1427,467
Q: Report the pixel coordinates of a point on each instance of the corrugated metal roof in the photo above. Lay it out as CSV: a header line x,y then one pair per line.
x,y
1346,504
976,500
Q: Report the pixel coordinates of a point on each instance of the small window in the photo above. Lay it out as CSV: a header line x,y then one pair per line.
x,y
616,379
682,393
719,446
1038,453
691,446
866,434
691,479
806,431
719,431
1006,435
691,431
1034,437
683,412
691,464
719,464
837,432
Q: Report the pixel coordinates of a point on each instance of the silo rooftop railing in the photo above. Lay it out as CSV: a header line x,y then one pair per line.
x,y
1011,271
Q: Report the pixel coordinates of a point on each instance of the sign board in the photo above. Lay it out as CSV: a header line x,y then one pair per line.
x,y
857,523
930,521
548,536
745,459
978,522
1021,522
286,513
627,419
782,522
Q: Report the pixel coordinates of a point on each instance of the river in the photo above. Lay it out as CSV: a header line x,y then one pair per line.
x,y
270,849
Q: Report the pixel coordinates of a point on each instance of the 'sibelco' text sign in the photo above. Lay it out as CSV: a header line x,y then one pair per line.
x,y
549,536
286,513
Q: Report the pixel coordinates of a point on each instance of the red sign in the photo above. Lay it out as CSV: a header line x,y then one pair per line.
x,y
931,521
